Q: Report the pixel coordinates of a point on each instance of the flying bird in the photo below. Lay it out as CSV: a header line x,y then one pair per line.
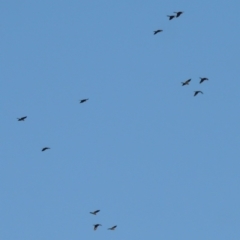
x,y
95,212
186,82
96,226
197,92
157,31
22,118
112,228
203,79
83,100
45,148
178,13
171,17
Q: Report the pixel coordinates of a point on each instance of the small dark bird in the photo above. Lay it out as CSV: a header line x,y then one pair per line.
x,y
171,17
178,13
96,226
22,118
95,212
157,31
45,148
197,92
186,82
112,228
83,100
203,79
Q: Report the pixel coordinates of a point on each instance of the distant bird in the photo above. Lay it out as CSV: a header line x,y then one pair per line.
x,y
171,17
203,79
197,92
22,118
112,228
178,13
95,212
83,100
186,82
96,226
45,148
157,31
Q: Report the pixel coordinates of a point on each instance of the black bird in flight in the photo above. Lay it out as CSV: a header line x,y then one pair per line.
x,y
96,226
112,228
197,92
45,148
157,31
95,212
178,13
83,100
203,79
22,118
171,17
186,82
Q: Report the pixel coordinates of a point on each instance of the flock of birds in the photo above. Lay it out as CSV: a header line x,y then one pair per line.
x,y
23,118
178,14
202,79
187,82
95,226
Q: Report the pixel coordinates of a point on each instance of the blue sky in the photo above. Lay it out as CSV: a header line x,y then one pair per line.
x,y
157,162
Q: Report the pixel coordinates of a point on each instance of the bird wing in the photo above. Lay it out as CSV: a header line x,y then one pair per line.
x,y
112,228
45,148
22,118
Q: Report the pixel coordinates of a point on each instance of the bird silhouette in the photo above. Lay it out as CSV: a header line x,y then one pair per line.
x,y
197,92
112,228
45,148
203,79
22,118
178,13
96,226
157,31
83,100
171,17
186,82
95,212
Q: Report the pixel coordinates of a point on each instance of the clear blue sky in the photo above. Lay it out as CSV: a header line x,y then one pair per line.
x,y
157,162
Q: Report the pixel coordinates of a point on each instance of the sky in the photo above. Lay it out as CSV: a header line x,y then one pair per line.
x,y
158,162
